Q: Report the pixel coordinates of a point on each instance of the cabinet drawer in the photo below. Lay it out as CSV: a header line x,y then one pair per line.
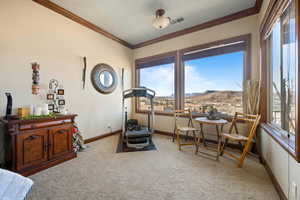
x,y
44,124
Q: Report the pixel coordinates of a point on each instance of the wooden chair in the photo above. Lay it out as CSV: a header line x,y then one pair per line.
x,y
253,120
184,129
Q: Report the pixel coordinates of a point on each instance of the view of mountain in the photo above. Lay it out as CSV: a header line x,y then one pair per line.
x,y
224,101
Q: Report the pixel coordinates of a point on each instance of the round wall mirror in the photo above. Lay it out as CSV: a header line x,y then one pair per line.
x,y
104,78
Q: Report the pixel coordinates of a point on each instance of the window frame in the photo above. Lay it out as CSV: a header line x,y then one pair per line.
x,y
179,66
158,60
274,11
232,47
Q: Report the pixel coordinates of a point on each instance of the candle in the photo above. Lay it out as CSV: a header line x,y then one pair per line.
x,y
45,110
38,111
31,112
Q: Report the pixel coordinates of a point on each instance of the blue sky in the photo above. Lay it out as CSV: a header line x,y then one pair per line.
x,y
223,72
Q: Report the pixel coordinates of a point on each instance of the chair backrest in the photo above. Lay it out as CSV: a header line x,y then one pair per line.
x,y
183,113
246,118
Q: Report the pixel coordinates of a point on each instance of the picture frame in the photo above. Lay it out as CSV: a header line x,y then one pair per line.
x,y
50,96
61,102
51,107
60,92
56,110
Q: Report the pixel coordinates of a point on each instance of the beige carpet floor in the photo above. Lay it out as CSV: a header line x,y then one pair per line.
x,y
165,174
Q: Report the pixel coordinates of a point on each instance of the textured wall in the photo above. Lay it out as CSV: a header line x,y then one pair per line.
x,y
32,33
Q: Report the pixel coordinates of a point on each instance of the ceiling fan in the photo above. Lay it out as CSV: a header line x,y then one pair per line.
x,y
161,22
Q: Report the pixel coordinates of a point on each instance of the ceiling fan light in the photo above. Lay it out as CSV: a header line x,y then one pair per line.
x,y
161,22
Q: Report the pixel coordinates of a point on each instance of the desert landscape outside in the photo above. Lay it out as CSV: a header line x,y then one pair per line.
x,y
210,81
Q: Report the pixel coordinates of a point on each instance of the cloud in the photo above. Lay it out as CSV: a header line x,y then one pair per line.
x,y
194,82
160,79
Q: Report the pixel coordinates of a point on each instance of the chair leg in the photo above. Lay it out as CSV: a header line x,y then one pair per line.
x,y
198,144
202,134
244,154
178,140
174,135
195,141
241,146
186,135
223,147
219,142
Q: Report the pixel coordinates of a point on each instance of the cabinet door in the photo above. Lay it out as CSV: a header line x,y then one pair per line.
x,y
60,141
32,148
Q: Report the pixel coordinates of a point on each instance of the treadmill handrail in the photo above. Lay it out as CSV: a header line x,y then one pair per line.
x,y
125,92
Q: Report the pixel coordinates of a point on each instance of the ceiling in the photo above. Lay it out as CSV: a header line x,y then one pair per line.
x,y
131,20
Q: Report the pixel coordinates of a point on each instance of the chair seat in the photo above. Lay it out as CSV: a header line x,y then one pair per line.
x,y
186,128
235,137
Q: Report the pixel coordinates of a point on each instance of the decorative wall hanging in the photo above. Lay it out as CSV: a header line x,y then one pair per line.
x,y
35,78
55,97
104,78
84,73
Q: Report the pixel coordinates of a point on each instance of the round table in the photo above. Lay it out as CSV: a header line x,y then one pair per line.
x,y
218,123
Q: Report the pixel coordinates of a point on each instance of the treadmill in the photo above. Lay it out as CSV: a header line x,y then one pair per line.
x,y
141,137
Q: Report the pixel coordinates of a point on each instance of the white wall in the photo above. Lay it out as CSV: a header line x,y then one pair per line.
x,y
32,33
284,167
231,29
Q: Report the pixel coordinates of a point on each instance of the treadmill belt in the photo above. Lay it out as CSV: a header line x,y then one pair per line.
x,y
123,148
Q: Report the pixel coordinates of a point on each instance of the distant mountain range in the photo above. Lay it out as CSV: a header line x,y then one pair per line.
x,y
200,93
219,96
212,95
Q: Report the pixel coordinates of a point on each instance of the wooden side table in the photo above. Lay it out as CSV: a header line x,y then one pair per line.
x,y
219,124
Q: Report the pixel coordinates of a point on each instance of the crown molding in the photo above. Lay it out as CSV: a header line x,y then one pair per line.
x,y
241,14
58,9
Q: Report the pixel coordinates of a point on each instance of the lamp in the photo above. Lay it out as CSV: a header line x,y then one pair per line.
x,y
161,22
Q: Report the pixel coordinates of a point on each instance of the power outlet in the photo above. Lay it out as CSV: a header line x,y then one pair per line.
x,y
293,191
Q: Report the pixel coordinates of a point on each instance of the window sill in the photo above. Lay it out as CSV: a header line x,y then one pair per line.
x,y
286,143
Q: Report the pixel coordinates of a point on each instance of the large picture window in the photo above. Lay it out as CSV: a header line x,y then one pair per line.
x,y
158,75
215,81
199,77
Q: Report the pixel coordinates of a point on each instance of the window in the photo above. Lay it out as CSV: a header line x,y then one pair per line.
x,y
282,43
215,81
279,74
197,77
158,75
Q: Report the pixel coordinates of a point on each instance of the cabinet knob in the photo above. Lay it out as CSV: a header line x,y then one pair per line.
x,y
32,137
61,131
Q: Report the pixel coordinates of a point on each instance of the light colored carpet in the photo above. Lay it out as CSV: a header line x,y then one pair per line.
x,y
165,174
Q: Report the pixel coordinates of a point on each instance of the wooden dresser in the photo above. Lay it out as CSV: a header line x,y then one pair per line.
x,y
38,144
